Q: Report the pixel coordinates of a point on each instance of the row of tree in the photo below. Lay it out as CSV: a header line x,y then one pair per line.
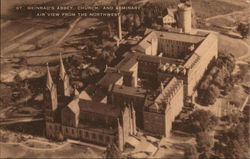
x,y
217,81
201,123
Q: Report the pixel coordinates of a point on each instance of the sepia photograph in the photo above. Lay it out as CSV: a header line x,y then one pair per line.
x,y
125,79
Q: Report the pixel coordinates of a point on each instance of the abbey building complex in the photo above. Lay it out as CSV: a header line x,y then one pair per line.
x,y
144,92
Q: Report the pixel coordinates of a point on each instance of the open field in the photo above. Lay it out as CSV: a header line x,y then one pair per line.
x,y
231,20
66,151
232,45
208,8
35,41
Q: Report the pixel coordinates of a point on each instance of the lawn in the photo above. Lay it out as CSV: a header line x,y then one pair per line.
x,y
67,151
209,8
232,45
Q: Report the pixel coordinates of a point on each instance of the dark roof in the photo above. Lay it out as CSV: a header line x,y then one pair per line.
x,y
99,108
109,78
131,91
127,63
96,93
157,59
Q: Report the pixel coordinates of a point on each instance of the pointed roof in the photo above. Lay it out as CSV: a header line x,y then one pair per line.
x,y
133,109
118,123
76,93
62,72
49,82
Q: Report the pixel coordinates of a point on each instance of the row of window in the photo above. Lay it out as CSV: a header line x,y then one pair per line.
x,y
84,134
94,136
56,127
164,41
89,135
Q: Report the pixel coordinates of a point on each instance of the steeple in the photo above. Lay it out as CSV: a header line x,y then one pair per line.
x,y
76,94
133,120
50,97
120,135
49,83
63,83
62,72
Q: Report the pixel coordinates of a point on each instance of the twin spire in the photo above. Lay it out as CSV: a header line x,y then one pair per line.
x,y
49,83
62,74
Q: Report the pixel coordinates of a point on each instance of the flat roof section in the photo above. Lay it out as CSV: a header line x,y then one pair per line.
x,y
131,91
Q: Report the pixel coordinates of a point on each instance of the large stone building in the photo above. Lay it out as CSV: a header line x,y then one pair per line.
x,y
146,90
86,119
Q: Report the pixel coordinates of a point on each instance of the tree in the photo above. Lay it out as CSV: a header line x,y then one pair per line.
x,y
234,142
204,142
190,153
202,121
219,79
233,118
214,90
243,29
90,45
208,97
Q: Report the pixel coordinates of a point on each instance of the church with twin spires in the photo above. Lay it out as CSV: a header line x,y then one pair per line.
x,y
144,92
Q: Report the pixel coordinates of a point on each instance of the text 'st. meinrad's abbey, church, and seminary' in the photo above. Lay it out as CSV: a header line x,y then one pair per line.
x,y
113,110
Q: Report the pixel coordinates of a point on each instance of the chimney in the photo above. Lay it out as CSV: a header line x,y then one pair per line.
x,y
119,22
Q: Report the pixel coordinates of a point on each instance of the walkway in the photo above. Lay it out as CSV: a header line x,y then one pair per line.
x,y
102,148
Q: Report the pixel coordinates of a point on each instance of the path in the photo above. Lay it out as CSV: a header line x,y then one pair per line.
x,y
69,31
24,120
223,15
102,148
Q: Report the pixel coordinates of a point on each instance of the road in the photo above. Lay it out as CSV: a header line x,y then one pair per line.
x,y
24,120
69,31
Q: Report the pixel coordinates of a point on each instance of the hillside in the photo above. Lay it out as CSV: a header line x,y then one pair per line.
x,y
208,8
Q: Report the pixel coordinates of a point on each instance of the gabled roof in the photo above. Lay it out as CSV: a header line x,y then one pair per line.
x,y
146,42
93,93
127,63
74,107
109,78
99,108
206,44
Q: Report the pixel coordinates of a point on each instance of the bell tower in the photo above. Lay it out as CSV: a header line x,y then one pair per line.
x,y
63,81
50,98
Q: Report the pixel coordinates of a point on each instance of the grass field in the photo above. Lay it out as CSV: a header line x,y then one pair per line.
x,y
67,151
209,8
232,45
